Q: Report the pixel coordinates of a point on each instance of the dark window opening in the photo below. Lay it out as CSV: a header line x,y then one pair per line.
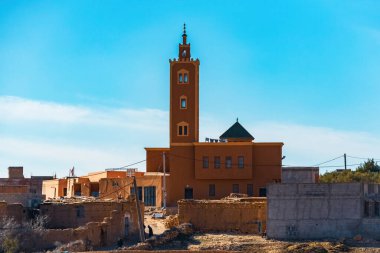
x,y
77,189
235,188
185,79
211,190
228,162
80,211
184,130
64,191
262,192
241,162
217,162
250,190
205,162
180,130
94,189
180,78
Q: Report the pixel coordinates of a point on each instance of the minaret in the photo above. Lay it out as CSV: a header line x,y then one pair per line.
x,y
184,95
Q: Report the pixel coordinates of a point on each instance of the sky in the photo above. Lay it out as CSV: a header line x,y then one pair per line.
x,y
86,83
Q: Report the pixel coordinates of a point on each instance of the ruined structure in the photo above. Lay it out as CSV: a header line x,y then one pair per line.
x,y
18,189
246,215
318,211
98,223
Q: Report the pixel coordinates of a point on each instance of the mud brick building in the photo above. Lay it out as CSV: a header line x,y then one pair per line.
x,y
213,169
108,185
18,189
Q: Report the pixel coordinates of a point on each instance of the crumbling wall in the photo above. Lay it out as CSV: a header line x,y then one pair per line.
x,y
314,211
224,215
63,215
95,234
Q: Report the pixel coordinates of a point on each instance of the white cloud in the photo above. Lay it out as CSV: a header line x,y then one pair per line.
x,y
54,137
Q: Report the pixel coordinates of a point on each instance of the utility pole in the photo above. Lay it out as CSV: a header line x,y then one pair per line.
x,y
140,218
164,180
345,161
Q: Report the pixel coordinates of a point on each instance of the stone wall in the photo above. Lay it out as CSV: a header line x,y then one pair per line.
x,y
224,215
314,211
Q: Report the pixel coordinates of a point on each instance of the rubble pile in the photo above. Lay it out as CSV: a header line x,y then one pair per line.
x,y
171,221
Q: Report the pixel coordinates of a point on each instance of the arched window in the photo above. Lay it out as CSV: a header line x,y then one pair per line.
x,y
182,129
183,76
183,102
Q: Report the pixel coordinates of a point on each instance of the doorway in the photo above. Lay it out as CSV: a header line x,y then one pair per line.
x,y
188,193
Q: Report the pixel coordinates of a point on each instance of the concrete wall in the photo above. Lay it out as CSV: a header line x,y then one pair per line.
x,y
222,215
313,211
292,175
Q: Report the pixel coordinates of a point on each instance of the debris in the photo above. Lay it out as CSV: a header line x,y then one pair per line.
x,y
358,238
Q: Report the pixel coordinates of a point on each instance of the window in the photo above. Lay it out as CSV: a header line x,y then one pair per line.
x,y
183,102
250,190
262,192
183,129
217,162
240,162
185,78
211,190
205,162
228,162
235,188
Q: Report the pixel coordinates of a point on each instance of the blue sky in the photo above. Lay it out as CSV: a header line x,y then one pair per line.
x,y
86,83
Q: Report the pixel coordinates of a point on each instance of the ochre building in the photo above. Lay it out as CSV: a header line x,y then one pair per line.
x,y
213,169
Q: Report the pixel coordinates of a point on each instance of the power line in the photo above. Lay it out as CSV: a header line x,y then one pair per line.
x,y
120,188
362,158
328,161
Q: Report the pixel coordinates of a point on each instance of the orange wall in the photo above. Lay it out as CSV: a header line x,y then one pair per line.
x,y
154,159
191,91
222,150
262,166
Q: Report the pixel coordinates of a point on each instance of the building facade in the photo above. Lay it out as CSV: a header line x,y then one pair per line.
x,y
116,185
18,189
213,169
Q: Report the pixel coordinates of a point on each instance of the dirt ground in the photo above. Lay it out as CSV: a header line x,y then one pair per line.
x,y
255,243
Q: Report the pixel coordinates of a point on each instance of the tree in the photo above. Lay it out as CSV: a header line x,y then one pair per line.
x,y
369,166
368,172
